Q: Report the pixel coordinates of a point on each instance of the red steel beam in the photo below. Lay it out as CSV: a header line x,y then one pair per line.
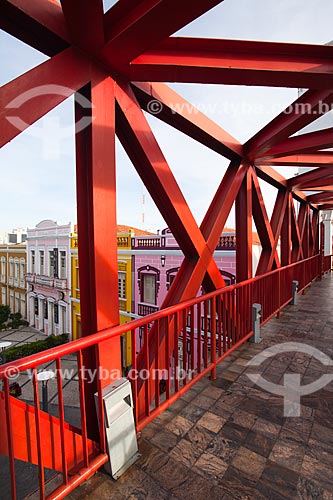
x,y
39,24
320,197
236,62
85,23
243,207
313,141
307,108
286,241
320,159
143,150
313,175
168,106
267,259
97,232
33,94
265,233
133,28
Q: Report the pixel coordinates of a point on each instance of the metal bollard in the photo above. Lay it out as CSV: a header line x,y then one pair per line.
x,y
294,292
256,315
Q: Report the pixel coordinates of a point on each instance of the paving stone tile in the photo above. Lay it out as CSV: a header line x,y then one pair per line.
x,y
212,422
250,463
323,452
281,480
317,471
265,427
212,392
179,425
192,412
243,418
288,454
223,448
308,490
199,437
165,440
210,466
185,453
237,484
234,431
260,443
203,401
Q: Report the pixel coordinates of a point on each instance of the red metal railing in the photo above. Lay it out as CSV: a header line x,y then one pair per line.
x,y
190,340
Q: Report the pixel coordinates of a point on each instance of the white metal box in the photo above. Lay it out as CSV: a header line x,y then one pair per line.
x,y
119,426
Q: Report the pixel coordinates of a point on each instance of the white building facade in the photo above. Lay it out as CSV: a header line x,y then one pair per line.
x,y
49,277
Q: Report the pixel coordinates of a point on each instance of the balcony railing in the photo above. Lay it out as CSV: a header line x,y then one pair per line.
x,y
60,283
148,242
44,280
166,336
227,242
145,309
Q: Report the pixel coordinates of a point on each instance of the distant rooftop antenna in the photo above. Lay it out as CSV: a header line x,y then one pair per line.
x,y
143,209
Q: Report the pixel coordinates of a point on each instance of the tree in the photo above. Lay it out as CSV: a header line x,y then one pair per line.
x,y
4,314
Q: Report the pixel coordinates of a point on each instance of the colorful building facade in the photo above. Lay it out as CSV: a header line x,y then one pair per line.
x,y
49,277
12,277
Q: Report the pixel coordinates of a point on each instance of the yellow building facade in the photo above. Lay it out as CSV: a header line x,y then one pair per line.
x,y
124,291
13,262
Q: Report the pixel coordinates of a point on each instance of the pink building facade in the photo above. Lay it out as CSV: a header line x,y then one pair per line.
x,y
48,277
156,261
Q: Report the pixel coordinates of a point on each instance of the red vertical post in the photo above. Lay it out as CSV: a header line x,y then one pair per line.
x,y
244,229
97,233
286,236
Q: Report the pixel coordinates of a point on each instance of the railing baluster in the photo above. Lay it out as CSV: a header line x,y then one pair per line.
x,y
147,381
157,364
167,354
199,337
10,438
38,436
134,378
83,407
176,353
192,339
62,421
213,337
184,346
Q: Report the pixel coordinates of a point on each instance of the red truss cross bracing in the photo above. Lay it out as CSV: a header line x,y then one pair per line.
x,y
110,59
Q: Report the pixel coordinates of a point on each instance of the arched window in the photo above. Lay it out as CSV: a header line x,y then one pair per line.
x,y
149,284
170,276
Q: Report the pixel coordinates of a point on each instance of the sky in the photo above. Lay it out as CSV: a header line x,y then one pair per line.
x,y
38,167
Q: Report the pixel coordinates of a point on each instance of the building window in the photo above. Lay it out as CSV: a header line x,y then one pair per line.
x,y
63,265
36,307
56,314
148,294
3,269
22,270
22,308
17,302
170,276
149,282
3,296
41,262
121,285
11,268
32,261
51,264
16,270
45,311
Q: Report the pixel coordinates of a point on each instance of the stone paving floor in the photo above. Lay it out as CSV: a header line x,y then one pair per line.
x,y
229,439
